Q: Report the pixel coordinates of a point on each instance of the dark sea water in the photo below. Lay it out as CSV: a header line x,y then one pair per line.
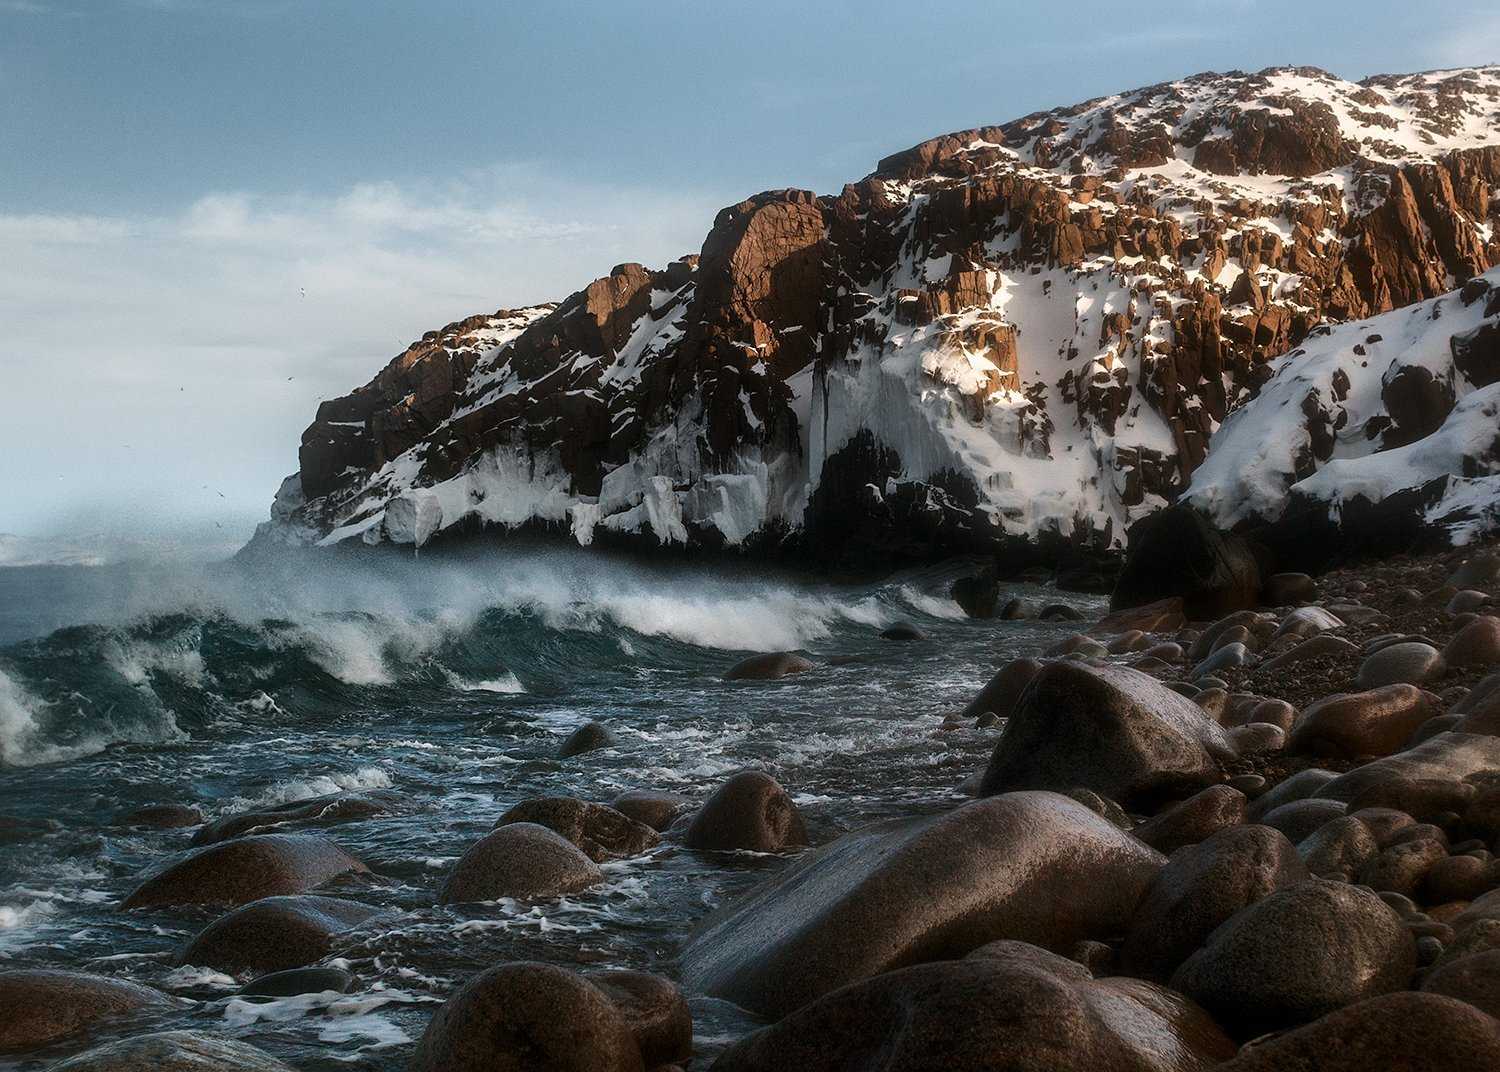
x,y
450,682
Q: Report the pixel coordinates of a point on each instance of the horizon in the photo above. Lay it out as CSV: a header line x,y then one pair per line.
x,y
302,235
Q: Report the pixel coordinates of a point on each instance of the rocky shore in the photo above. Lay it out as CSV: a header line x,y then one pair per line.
x,y
1264,839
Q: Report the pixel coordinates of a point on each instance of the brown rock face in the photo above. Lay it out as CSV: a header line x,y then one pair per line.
x,y
1047,289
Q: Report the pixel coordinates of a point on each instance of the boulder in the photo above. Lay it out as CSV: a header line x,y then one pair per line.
x,y
1306,622
1339,849
1012,1007
586,738
1178,552
244,869
768,667
297,981
1376,722
749,811
600,831
1037,867
1001,692
1474,979
1298,954
1450,758
42,1006
1402,868
654,1010
1114,730
174,1051
334,808
274,934
1480,571
524,1015
1289,589
521,860
1316,647
902,631
1299,819
1202,886
1162,616
1411,662
977,594
1476,644
1195,819
163,816
1303,784
651,807
1406,1031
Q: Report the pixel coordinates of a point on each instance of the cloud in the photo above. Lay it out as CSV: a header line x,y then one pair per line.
x,y
156,361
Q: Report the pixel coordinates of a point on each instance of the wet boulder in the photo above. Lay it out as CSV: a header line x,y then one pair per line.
x,y
1011,1006
244,869
1178,552
1339,849
1037,867
586,738
297,981
1201,887
600,831
274,934
977,594
902,631
768,667
1303,784
42,1006
317,811
174,1051
1001,692
163,816
526,1015
1476,644
1195,819
654,808
1298,954
1376,722
521,860
655,1011
1407,1031
749,811
1448,759
1300,819
1114,730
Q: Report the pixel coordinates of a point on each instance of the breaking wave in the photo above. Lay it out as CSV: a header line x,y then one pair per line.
x,y
167,655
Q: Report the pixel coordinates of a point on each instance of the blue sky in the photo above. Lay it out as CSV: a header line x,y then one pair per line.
x,y
178,171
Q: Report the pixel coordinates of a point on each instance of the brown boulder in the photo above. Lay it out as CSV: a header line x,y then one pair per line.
x,y
1037,867
274,934
1195,819
522,1016
1474,979
651,807
334,808
42,1006
768,667
174,1051
1372,723
1476,644
1001,692
749,811
600,831
244,869
521,860
654,1010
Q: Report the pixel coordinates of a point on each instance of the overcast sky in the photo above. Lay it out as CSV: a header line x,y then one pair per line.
x,y
177,172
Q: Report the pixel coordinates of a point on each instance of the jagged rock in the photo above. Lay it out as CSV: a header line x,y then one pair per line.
x,y
521,860
274,934
174,1051
1116,731
749,811
600,831
242,870
1036,867
1298,954
528,1015
1009,1005
43,1006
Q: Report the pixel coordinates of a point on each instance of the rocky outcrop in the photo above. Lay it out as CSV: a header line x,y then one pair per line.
x,y
1025,333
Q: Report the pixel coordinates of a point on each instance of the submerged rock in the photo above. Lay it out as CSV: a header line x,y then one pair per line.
x,y
244,869
521,860
174,1051
274,934
768,667
40,1006
586,738
297,981
1037,867
654,808
600,831
334,808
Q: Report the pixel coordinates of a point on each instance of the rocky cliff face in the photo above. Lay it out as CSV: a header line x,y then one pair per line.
x,y
1022,332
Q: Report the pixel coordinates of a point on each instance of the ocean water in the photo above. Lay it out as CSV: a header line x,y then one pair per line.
x,y
450,682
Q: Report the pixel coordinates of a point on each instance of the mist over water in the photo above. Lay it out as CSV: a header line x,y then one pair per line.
x,y
450,682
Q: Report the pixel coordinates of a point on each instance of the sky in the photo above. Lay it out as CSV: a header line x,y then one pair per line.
x,y
215,214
